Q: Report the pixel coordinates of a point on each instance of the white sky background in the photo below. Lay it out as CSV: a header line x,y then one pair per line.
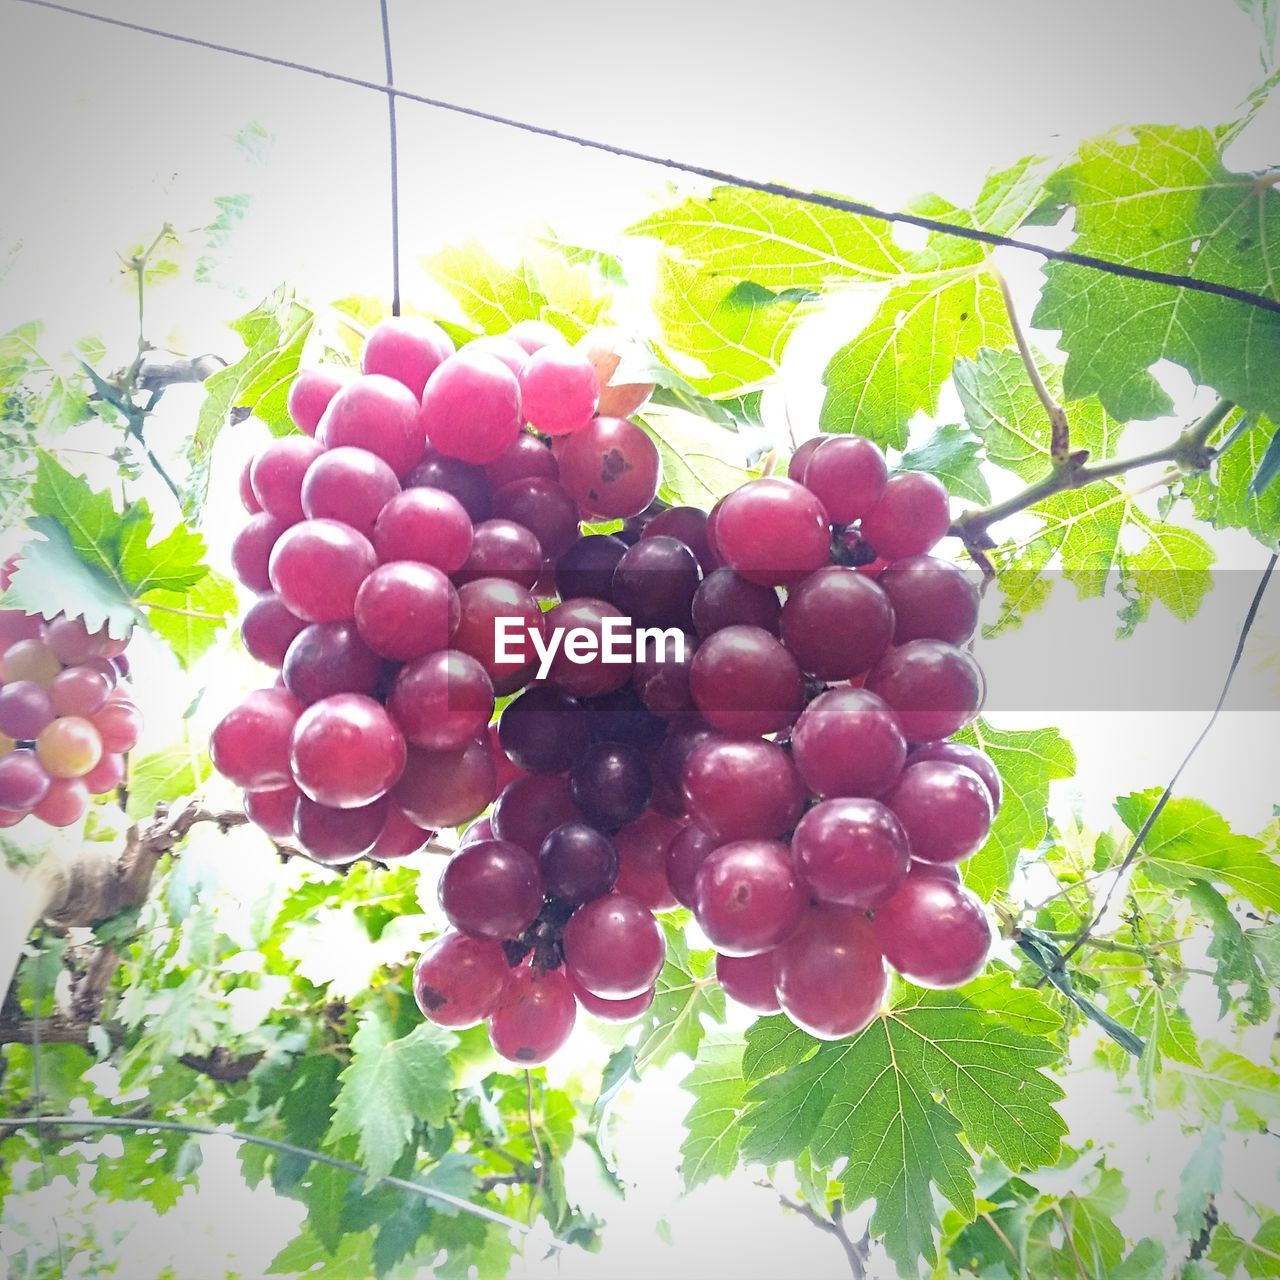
x,y
108,134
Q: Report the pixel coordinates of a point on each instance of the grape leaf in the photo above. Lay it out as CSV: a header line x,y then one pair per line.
x,y
953,454
1224,1087
307,1255
1159,197
165,776
274,334
872,1100
1028,760
1190,841
389,1084
1227,496
696,468
714,1121
1232,951
190,621
1260,1257
155,1167
1088,1216
543,286
1201,1180
687,994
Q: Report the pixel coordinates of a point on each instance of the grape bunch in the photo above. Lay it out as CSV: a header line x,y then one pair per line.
x,y
66,719
780,766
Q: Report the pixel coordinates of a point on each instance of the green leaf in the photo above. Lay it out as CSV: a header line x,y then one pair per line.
x,y
324,1191
1159,197
1236,494
953,454
1201,1180
687,995
873,1100
399,1233
1260,1257
274,334
1223,1088
190,621
1028,760
174,564
306,1255
165,776
543,286
90,519
714,1121
304,1116
390,1084
1232,950
1190,841
697,470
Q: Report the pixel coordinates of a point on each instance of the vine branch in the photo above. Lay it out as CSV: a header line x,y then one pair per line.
x,y
1059,425
856,1252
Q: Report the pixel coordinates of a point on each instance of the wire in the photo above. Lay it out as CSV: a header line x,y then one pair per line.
x,y
142,1124
1088,261
395,165
1145,830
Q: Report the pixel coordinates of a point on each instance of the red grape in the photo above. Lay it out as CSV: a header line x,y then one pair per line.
x,y
742,790
502,349
471,408
662,679
773,531
491,889
533,335
327,658
310,394
446,788
613,1010
337,836
686,853
933,687
26,707
317,568
348,485
463,480
970,757
377,413
935,871
480,604
944,808
459,980
251,550
248,499
558,390
545,507
277,474
442,701
71,642
69,747
848,475
269,628
933,932
745,683
427,525
16,625
850,852
106,775
913,513
932,600
610,783
399,837
406,348
527,457
593,676
687,525
480,829
848,743
531,808
726,599
502,549
611,467
23,780
504,768
346,751
746,897
750,980
250,744
578,863
544,730
642,860
654,583
831,979
586,569
613,947
273,811
119,724
800,459
65,803
837,623
405,610
534,1017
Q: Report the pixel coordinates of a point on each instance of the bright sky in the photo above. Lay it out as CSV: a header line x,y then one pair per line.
x,y
109,134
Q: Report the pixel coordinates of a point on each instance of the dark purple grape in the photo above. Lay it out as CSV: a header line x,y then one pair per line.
x,y
578,863
586,569
727,599
655,581
611,784
330,657
544,730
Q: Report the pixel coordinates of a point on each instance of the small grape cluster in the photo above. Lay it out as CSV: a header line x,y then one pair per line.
x,y
66,718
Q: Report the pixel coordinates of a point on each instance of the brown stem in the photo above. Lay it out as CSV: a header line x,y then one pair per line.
x,y
1000,1235
1190,451
856,1252
1059,426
